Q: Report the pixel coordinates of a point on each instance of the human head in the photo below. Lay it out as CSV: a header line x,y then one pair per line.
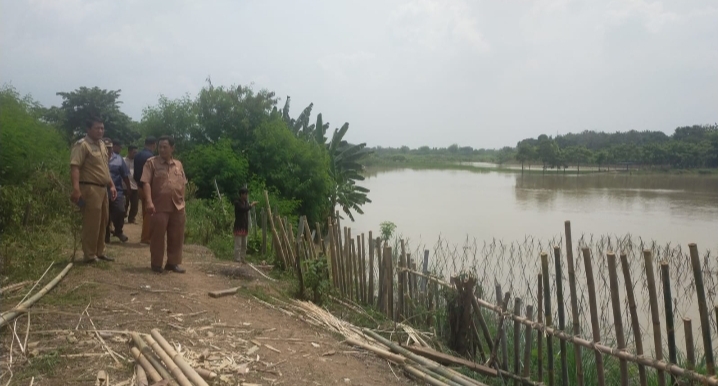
x,y
108,143
131,151
166,146
116,146
95,128
151,143
243,193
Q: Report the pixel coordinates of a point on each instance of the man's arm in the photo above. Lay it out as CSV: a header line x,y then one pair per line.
x,y
150,206
75,178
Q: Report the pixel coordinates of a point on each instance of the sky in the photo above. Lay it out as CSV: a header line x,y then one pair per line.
x,y
478,73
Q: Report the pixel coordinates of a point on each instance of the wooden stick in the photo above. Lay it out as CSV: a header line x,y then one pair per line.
x,y
380,270
655,317
527,345
401,281
561,314
539,338
702,309
670,326
320,237
36,283
690,349
188,371
260,272
633,308
576,327
142,360
22,307
370,297
102,341
517,340
595,327
169,363
14,287
482,323
224,292
362,270
617,322
206,374
448,360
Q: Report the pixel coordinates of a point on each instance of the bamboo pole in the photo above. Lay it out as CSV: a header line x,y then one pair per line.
x,y
668,307
482,323
401,283
388,286
168,362
397,359
527,343
370,295
147,352
331,256
263,215
362,261
539,338
503,305
617,322
188,371
21,308
354,266
348,264
308,240
690,349
595,327
576,327
548,319
323,247
422,376
380,271
340,259
655,317
702,309
141,359
633,308
275,235
502,331
517,341
561,314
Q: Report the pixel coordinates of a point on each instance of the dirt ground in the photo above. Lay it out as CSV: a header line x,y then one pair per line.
x,y
63,349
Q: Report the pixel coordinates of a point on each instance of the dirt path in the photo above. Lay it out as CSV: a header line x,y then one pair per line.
x,y
126,295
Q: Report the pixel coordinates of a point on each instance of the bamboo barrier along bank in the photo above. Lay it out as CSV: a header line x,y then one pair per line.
x,y
536,336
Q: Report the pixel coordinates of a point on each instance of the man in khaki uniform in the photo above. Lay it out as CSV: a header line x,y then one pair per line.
x,y
90,175
163,182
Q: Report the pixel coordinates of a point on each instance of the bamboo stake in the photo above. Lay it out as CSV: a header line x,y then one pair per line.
x,y
188,371
275,235
332,256
617,322
388,283
348,261
8,316
690,349
142,360
633,308
501,332
702,309
357,273
527,344
482,323
308,240
547,315
362,260
340,259
596,328
380,268
517,341
263,215
370,296
539,338
575,328
169,363
655,317
670,326
401,282
502,305
561,314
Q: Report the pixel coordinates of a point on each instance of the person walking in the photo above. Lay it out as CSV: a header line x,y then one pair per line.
x,y
131,199
90,178
163,183
242,206
120,173
140,160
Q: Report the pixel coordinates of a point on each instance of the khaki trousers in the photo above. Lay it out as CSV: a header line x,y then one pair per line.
x,y
95,215
240,248
170,224
146,234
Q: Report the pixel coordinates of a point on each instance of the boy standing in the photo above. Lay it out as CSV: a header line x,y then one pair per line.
x,y
242,207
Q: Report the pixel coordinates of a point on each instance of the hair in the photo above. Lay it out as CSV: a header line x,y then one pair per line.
x,y
150,140
131,147
167,138
243,191
91,120
116,142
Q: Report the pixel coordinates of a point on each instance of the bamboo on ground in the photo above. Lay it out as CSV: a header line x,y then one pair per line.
x,y
617,322
169,363
592,303
575,328
147,353
188,371
142,360
140,376
633,308
655,317
702,309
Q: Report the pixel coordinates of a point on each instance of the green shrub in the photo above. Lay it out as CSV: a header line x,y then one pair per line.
x,y
206,164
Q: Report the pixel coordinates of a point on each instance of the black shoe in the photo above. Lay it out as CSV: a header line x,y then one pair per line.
x,y
174,268
122,237
157,269
106,258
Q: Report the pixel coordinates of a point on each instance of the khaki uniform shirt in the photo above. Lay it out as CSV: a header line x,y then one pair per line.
x,y
92,158
167,182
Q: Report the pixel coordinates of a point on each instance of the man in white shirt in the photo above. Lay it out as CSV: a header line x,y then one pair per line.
x,y
132,195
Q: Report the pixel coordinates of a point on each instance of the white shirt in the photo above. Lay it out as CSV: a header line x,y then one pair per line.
x,y
131,165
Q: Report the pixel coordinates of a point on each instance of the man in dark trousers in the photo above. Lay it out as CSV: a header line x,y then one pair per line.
x,y
131,199
140,160
120,174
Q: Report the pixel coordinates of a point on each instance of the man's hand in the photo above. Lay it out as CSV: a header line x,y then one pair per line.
x,y
75,196
113,193
150,208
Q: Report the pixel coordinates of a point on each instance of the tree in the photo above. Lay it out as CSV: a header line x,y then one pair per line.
x,y
524,153
548,151
208,163
601,158
175,117
345,171
77,106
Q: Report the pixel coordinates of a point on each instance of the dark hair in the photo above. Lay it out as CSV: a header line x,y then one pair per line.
x,y
167,138
131,147
243,191
150,140
91,120
116,142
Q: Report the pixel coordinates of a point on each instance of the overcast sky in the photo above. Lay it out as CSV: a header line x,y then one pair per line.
x,y
478,73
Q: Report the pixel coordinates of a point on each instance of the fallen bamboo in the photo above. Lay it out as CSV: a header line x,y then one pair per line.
x,y
149,369
423,376
224,292
446,359
8,316
147,352
260,272
188,371
394,358
140,376
14,287
702,309
168,362
206,374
